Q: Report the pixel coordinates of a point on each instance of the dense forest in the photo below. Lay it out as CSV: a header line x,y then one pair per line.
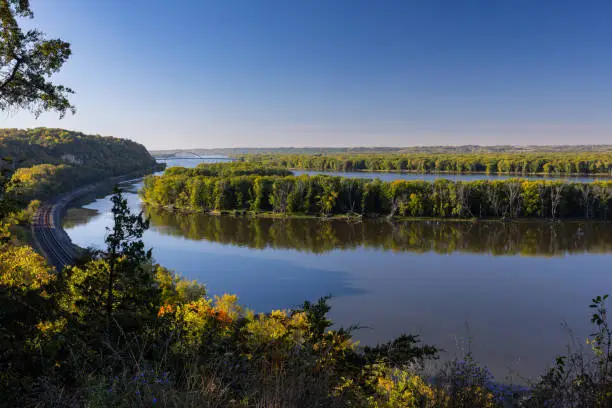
x,y
45,162
598,163
327,195
28,147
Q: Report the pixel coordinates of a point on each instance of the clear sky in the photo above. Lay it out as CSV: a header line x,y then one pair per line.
x,y
227,73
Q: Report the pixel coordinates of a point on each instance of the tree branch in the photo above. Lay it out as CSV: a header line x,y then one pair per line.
x,y
13,73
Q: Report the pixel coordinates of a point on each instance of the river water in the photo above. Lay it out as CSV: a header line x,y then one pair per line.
x,y
505,291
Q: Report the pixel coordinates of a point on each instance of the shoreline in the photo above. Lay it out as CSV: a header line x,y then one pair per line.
x,y
361,218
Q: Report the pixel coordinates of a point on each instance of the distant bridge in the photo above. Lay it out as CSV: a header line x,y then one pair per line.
x,y
189,156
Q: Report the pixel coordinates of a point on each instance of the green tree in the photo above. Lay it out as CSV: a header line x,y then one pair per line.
x,y
127,261
27,311
7,201
27,60
327,199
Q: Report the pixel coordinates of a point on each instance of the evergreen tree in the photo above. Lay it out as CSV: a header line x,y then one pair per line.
x,y
130,287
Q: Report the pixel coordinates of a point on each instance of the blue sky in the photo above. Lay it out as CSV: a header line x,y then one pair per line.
x,y
227,73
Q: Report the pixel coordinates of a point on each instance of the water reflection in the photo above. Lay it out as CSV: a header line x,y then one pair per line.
x,y
78,216
529,238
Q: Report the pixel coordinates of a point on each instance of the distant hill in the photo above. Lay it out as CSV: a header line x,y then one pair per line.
x,y
28,147
46,162
398,150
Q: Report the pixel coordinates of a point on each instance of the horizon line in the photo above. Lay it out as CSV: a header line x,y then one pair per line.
x,y
385,147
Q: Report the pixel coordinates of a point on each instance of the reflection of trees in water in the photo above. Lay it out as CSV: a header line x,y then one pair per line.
x,y
78,216
493,237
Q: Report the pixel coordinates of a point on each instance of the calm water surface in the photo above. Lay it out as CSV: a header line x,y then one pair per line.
x,y
507,286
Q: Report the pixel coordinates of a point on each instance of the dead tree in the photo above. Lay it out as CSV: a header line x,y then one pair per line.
x,y
494,199
513,188
556,193
464,191
586,200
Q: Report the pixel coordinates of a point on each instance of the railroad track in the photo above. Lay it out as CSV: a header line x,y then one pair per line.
x,y
49,235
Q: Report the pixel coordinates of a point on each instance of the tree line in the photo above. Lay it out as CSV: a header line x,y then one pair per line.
x,y
329,195
552,163
239,151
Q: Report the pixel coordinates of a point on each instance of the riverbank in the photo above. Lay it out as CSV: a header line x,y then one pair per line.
x,y
358,217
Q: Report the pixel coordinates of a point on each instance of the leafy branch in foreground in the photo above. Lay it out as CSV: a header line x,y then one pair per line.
x,y
27,60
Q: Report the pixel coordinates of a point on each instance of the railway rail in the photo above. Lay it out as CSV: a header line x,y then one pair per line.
x,y
50,237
